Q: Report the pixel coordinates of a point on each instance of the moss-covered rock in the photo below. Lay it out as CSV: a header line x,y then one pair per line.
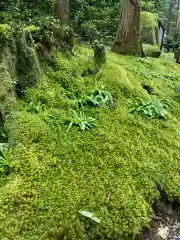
x,y
112,170
149,28
18,53
151,50
26,63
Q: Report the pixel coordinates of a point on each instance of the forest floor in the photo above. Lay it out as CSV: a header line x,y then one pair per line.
x,y
165,224
117,170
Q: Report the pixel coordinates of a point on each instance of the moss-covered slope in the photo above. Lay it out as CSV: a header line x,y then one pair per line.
x,y
112,170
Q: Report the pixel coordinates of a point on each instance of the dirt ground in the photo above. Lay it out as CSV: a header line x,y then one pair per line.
x,y
165,223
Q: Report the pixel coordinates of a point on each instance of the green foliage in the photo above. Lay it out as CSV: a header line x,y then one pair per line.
x,y
169,43
26,11
80,103
112,171
153,108
32,28
149,20
100,97
5,161
27,63
4,29
178,92
52,34
149,24
82,121
36,107
148,6
94,19
99,53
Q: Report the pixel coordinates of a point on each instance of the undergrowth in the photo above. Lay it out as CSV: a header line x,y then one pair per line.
x,y
111,171
81,120
153,108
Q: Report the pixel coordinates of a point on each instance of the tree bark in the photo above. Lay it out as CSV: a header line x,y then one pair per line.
x,y
61,10
128,38
157,4
170,18
177,17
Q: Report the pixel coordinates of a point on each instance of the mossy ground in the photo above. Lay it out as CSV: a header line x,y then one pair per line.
x,y
58,174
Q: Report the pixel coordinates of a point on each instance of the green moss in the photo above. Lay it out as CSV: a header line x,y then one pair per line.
x,y
149,24
149,20
32,28
151,50
26,62
4,29
124,157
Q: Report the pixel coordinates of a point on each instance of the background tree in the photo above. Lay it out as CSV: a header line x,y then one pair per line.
x,y
127,37
61,10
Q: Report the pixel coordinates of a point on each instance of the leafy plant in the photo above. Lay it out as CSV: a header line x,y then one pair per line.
x,y
166,102
153,108
79,103
36,107
99,53
5,163
100,97
82,121
3,135
90,215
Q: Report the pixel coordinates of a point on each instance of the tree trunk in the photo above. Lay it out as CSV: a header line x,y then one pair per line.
x,y
157,4
170,18
61,10
177,17
128,37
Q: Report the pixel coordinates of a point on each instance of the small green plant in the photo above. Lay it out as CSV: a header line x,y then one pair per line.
x,y
178,134
5,163
90,215
100,97
3,135
79,103
146,60
153,108
99,53
166,102
36,107
82,121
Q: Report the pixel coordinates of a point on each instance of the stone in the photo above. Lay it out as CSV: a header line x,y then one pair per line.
x,y
162,233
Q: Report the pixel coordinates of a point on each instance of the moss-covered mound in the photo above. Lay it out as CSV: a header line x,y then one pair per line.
x,y
149,28
112,170
151,50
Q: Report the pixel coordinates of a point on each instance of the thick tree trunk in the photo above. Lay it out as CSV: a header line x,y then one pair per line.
x,y
127,37
61,10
